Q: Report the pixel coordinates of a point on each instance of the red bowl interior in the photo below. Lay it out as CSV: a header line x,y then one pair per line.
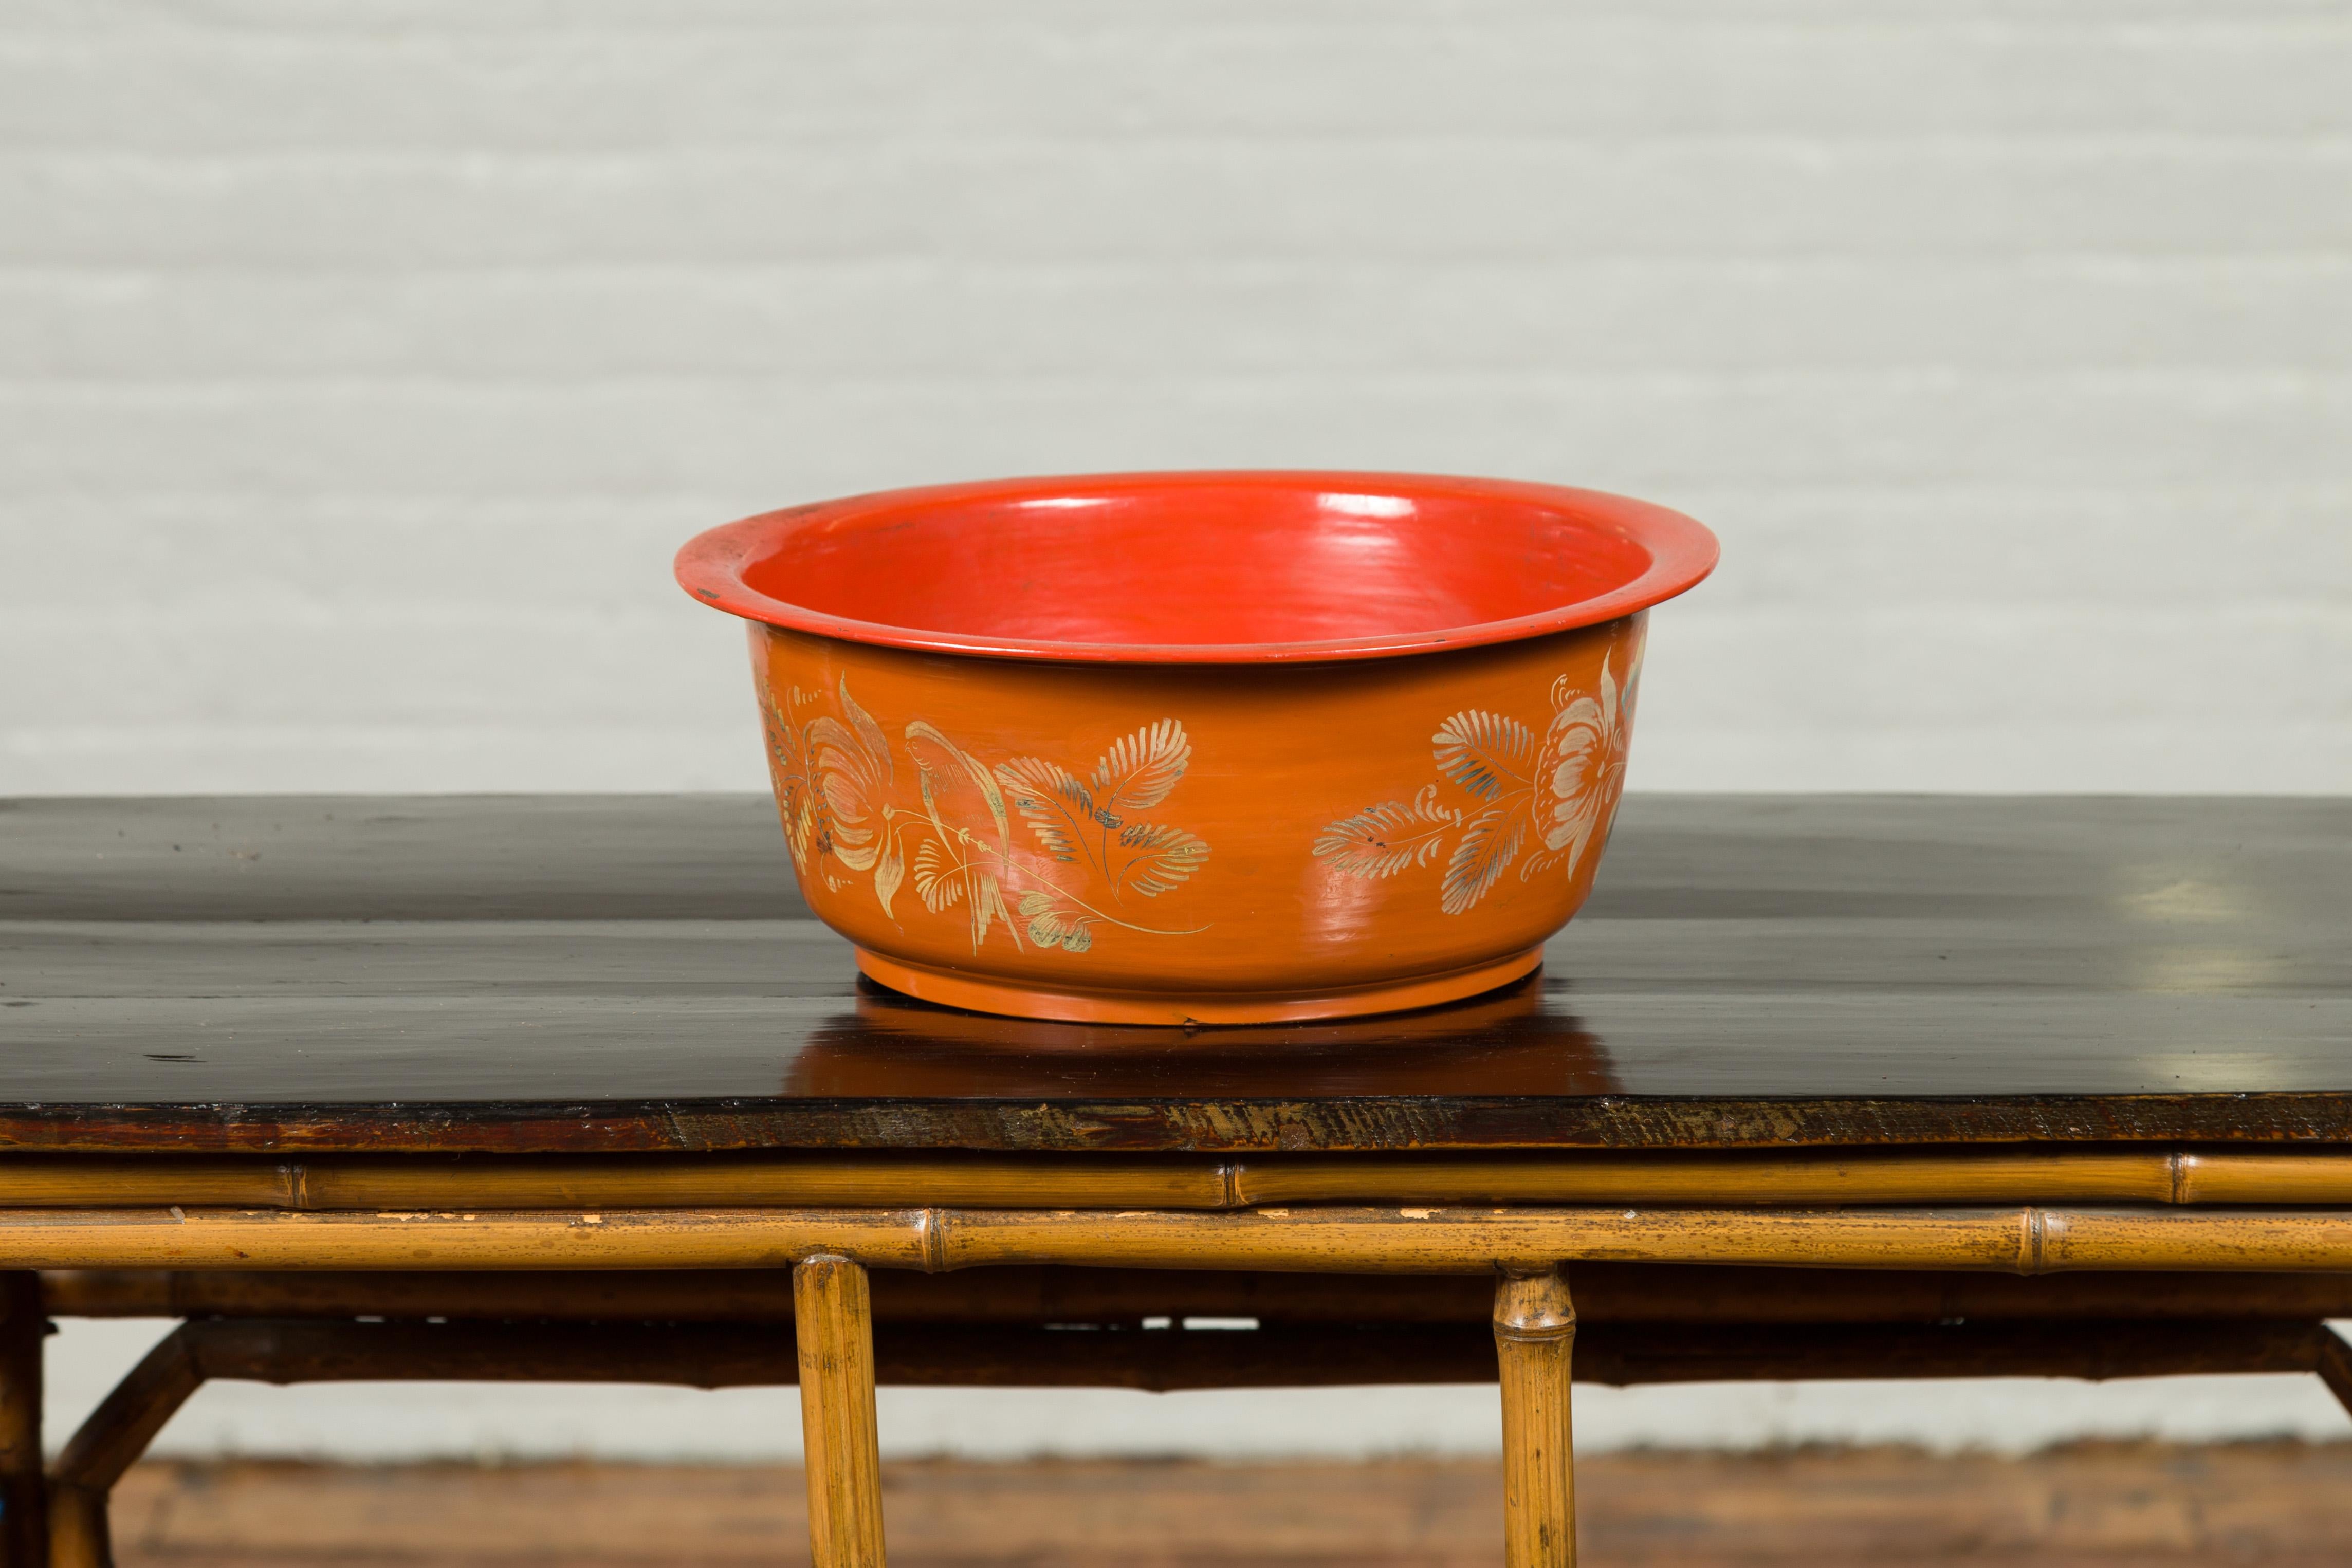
x,y
1201,567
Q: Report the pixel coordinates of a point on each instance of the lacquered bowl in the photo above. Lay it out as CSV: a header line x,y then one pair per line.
x,y
1199,747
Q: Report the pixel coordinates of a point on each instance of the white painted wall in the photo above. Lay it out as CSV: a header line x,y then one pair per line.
x,y
360,366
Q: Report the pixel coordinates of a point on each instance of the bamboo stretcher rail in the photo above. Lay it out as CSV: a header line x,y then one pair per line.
x,y
298,1350
2156,1174
739,1355
2029,1241
1605,1292
1327,1240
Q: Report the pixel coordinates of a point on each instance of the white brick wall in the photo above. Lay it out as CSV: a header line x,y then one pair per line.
x,y
361,365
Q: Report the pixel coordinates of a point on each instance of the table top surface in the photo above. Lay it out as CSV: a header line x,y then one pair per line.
x,y
583,974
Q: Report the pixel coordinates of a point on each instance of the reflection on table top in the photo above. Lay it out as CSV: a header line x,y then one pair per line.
x,y
636,973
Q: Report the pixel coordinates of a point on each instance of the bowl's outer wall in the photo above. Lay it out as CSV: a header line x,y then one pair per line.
x,y
1173,829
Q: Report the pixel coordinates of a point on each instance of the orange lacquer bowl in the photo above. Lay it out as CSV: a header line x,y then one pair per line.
x,y
1199,747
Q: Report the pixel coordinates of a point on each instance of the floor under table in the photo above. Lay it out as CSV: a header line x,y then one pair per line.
x,y
2284,1505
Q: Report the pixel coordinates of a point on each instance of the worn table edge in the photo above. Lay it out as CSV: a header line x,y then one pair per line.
x,y
1028,1124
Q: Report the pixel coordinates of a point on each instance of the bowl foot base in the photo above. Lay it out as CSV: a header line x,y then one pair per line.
x,y
949,988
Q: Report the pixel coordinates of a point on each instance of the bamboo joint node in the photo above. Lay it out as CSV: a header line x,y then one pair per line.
x,y
1534,1308
933,1224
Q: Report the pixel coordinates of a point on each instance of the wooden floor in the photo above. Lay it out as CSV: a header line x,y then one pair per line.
x,y
2278,1504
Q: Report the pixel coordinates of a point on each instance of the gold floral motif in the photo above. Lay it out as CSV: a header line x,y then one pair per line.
x,y
837,786
1557,789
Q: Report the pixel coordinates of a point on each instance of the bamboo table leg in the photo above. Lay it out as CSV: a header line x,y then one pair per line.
x,y
24,1516
1535,1331
832,1315
78,1535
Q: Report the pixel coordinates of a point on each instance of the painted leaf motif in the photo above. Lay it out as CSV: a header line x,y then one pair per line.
x,y
1582,837
1487,848
1377,841
957,785
944,881
1051,926
1485,753
1050,798
870,738
988,906
1383,839
1140,770
1162,857
889,871
939,881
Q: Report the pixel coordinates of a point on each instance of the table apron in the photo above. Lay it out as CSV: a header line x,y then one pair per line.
x,y
2160,1174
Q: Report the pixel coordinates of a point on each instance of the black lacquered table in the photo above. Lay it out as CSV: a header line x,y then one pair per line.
x,y
1958,1084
